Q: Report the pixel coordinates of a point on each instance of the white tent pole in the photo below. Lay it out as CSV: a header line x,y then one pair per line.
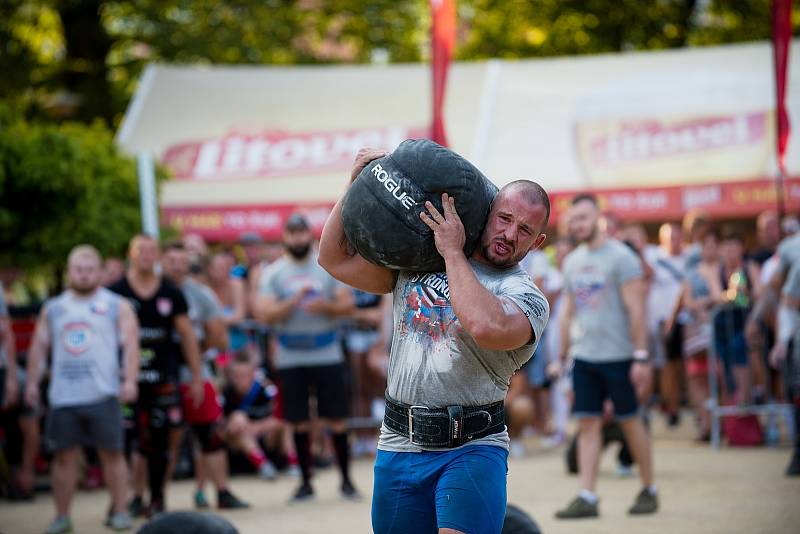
x,y
485,112
147,194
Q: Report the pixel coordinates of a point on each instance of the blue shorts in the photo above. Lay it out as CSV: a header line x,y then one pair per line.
x,y
593,383
421,492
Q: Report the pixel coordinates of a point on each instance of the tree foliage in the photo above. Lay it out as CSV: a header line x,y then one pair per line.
x,y
61,185
80,59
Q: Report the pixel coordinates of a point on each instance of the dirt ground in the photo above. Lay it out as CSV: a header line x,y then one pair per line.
x,y
701,491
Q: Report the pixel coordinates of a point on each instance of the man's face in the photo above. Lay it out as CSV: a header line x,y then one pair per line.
x,y
670,237
583,221
297,242
769,230
175,263
242,376
84,273
143,254
512,230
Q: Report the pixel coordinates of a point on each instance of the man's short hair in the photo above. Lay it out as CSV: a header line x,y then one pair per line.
x,y
588,197
86,251
533,193
173,244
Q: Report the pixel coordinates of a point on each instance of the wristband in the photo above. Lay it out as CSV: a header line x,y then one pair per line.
x,y
641,355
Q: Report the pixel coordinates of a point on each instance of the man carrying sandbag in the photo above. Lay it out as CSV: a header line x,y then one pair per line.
x,y
459,335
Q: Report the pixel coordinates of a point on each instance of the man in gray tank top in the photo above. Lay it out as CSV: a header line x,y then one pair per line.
x,y
459,335
604,331
84,329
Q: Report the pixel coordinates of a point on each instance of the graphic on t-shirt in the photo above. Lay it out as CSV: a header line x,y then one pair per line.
x,y
296,283
77,337
428,314
589,283
164,306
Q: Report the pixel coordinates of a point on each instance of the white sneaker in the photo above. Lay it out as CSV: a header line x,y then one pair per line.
x,y
624,471
267,471
517,449
120,521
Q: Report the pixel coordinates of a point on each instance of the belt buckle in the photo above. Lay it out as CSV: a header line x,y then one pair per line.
x,y
411,421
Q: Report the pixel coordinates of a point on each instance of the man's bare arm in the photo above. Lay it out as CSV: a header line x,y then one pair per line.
x,y
37,353
337,257
633,297
128,325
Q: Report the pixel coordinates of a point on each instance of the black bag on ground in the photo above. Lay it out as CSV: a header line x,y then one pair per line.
x,y
380,212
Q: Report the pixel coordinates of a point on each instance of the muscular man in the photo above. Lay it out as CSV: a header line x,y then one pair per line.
x,y
205,315
604,331
459,335
303,303
162,312
83,329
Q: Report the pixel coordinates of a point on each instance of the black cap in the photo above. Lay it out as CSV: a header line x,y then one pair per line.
x,y
297,223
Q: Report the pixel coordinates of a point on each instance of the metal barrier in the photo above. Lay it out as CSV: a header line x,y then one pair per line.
x,y
716,410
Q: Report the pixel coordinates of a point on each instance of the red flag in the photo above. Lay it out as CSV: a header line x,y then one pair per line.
x,y
443,41
781,37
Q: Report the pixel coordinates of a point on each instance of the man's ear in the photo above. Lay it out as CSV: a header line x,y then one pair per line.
x,y
539,241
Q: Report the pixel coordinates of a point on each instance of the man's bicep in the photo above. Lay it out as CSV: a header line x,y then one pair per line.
x,y
361,274
528,314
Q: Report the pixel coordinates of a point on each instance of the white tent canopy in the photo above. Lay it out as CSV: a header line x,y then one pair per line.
x,y
255,138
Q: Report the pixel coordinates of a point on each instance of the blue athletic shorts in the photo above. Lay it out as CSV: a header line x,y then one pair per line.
x,y
593,383
420,492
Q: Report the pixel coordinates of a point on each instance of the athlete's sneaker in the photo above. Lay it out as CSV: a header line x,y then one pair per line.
x,y
228,501
120,521
646,503
349,491
793,469
304,493
136,507
267,471
579,508
200,501
60,525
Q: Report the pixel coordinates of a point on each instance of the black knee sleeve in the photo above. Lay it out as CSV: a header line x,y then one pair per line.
x,y
209,436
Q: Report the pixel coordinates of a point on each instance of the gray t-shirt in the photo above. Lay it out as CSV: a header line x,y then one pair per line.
x,y
600,330
304,339
791,288
434,362
788,256
203,307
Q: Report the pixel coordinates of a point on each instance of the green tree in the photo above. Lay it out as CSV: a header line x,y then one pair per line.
x,y
61,185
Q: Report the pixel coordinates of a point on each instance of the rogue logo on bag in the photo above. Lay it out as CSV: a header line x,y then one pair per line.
x,y
393,187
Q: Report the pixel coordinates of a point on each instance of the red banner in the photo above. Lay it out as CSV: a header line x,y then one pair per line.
x,y
228,223
443,42
781,38
721,200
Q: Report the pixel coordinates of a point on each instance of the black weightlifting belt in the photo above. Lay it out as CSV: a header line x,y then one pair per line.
x,y
444,428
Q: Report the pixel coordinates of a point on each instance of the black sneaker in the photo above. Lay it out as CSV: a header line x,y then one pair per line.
x,y
673,420
579,508
304,493
350,492
155,508
136,507
646,503
794,466
228,501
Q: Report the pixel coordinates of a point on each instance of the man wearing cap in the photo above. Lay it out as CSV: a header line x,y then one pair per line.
x,y
303,304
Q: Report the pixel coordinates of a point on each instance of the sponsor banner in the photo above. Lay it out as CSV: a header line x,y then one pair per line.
x,y
279,153
721,200
693,148
228,223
